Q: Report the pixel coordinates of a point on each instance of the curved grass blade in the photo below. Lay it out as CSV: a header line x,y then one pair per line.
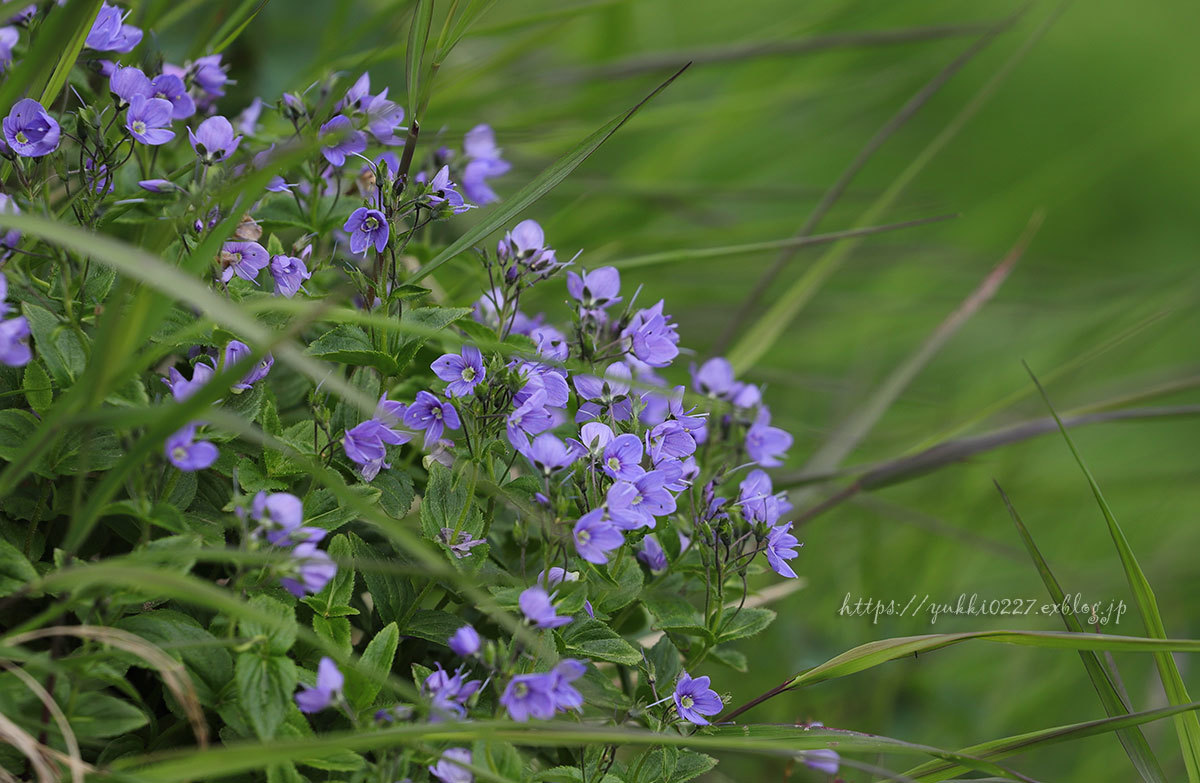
x,y
1187,726
872,654
847,435
539,186
696,254
1034,740
418,39
56,45
240,757
1104,679
764,332
236,24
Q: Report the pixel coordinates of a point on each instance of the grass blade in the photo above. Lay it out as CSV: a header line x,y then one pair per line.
x,y
850,432
695,254
541,185
1023,743
1187,725
764,332
1102,674
418,39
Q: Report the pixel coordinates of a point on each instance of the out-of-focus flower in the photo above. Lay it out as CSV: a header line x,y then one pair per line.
x,y
765,444
109,32
234,352
464,642
448,770
483,163
188,454
538,608
327,689
343,140
652,554
311,570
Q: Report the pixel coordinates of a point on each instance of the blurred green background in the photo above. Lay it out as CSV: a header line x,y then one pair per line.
x,y
1095,129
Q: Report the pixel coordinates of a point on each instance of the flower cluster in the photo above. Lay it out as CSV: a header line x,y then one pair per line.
x,y
573,485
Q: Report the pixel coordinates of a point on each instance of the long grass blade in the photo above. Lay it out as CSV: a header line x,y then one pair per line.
x,y
1098,671
540,185
764,332
1187,726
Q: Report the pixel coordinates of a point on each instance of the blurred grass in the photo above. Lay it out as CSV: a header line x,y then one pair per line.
x,y
1097,128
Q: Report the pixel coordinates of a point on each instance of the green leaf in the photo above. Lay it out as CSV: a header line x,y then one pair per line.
x,y
350,345
500,758
426,322
15,569
57,346
433,625
542,184
745,623
265,685
665,665
671,765
37,387
593,639
182,637
335,630
338,592
94,715
279,636
16,428
673,613
364,682
391,594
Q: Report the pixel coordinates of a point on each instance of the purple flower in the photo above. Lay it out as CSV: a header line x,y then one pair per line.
x,y
694,699
548,379
109,32
356,96
209,74
669,440
289,273
448,770
634,504
549,454
383,118
608,397
595,289
538,609
366,444
565,672
595,536
652,336
128,82
344,140
182,388
245,259
461,543
441,191
235,352
449,693
484,162
529,418
551,343
367,227
652,555
29,130
311,569
594,438
214,141
714,378
462,371
14,342
186,453
325,692
781,546
247,121
765,444
623,458
8,39
171,88
464,642
149,120
822,760
157,185
279,514
759,505
430,414
8,239
529,696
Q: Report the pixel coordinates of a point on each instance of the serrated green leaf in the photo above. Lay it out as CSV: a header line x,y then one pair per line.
x,y
593,639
